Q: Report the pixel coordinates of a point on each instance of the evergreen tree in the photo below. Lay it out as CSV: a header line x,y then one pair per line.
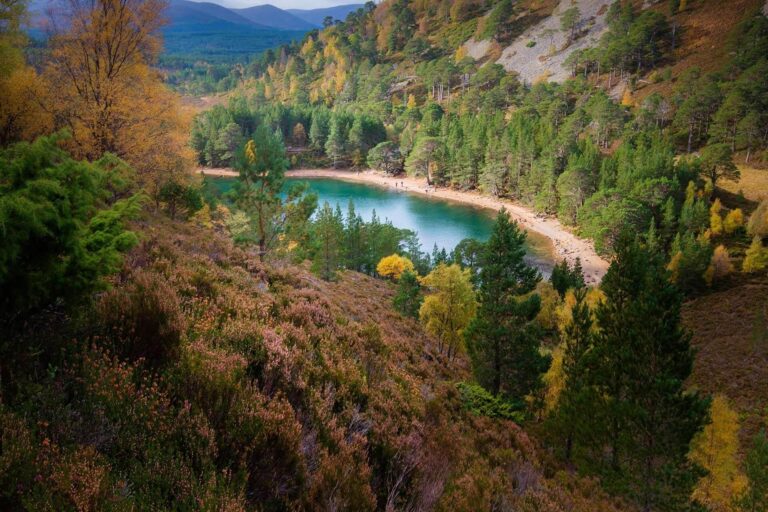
x,y
502,340
328,234
570,419
262,165
408,298
335,146
641,359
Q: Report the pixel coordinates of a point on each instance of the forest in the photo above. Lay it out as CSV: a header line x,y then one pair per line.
x,y
167,347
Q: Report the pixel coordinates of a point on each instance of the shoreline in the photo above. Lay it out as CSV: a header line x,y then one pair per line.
x,y
565,243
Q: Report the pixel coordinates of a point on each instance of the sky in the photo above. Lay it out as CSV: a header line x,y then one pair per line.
x,y
285,4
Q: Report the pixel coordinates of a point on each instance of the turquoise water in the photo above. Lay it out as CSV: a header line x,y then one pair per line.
x,y
435,221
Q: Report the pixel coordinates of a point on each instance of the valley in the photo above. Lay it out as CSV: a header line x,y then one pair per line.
x,y
407,255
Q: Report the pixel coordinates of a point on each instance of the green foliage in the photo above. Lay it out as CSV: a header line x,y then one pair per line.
x,y
408,298
63,227
262,166
327,231
755,497
564,277
502,340
386,157
480,402
639,361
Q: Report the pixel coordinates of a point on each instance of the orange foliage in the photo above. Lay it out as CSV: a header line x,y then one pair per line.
x,y
104,92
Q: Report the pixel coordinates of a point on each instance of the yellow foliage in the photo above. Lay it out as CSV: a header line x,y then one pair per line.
x,y
565,309
674,266
715,448
411,101
104,91
716,224
756,257
250,152
202,217
716,207
309,47
720,265
733,221
461,52
21,114
450,306
626,99
393,266
550,302
554,380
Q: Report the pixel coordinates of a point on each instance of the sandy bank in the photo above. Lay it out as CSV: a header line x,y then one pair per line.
x,y
566,244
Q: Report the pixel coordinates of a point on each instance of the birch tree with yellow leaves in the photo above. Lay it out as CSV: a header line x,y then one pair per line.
x,y
105,93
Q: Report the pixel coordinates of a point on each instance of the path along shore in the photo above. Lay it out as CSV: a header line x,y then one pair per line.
x,y
566,244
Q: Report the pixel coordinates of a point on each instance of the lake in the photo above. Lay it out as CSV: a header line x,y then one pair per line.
x,y
435,221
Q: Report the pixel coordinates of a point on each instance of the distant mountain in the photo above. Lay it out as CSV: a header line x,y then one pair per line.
x,y
316,16
271,16
186,13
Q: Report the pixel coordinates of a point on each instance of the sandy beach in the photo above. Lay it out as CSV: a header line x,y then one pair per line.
x,y
566,244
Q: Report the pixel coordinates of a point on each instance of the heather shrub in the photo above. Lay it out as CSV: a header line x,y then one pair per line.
x,y
143,318
166,451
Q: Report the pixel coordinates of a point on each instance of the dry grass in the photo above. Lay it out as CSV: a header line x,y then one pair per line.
x,y
730,334
704,29
753,184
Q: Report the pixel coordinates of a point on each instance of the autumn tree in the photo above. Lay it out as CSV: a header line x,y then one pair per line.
x,y
758,221
393,266
756,256
22,116
299,135
449,306
502,340
104,91
716,449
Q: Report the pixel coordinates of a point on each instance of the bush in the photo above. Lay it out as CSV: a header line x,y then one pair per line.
x,y
758,221
480,402
61,230
143,318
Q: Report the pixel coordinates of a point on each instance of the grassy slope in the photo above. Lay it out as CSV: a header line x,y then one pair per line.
x,y
730,333
704,29
401,393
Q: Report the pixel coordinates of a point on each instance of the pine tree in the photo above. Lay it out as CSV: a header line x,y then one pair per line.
x,y
262,164
329,232
570,419
335,146
641,358
502,340
408,298
354,241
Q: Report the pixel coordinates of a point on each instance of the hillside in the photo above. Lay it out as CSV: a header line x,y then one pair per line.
x,y
275,18
730,333
317,16
172,343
